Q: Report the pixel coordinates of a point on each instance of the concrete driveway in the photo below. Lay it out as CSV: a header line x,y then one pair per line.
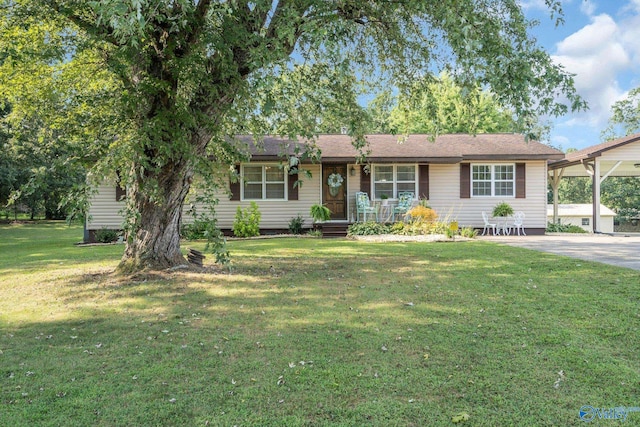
x,y
620,250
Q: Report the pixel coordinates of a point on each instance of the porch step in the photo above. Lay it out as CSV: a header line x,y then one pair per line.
x,y
335,229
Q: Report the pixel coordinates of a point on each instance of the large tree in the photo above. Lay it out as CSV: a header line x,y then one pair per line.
x,y
186,75
440,105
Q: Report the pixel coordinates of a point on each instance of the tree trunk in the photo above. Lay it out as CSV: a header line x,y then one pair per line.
x,y
154,240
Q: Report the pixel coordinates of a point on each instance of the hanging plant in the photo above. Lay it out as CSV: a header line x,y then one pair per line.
x,y
502,209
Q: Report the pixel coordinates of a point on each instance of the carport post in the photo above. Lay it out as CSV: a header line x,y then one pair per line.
x,y
596,195
555,182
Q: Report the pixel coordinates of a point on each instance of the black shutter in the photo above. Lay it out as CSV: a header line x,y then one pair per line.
x,y
465,180
293,189
234,187
521,181
423,182
365,181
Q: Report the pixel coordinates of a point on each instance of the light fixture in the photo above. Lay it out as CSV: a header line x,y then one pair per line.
x,y
352,171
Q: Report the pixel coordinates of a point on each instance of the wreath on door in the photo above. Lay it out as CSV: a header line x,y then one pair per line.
x,y
334,182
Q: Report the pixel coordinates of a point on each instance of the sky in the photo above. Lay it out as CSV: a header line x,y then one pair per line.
x,y
599,43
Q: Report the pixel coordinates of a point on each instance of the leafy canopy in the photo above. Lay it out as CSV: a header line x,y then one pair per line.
x,y
625,118
158,88
439,105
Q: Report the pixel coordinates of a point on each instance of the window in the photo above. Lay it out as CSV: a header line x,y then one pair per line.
x,y
393,180
585,221
263,182
493,180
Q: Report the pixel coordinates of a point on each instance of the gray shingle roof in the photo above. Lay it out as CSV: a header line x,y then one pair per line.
x,y
452,148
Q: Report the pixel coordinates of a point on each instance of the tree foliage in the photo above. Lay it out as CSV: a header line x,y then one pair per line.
x,y
625,117
622,194
155,89
440,105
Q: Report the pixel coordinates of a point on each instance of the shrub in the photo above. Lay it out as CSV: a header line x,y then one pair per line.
x,y
195,231
564,228
398,228
315,233
247,221
418,228
295,225
368,228
422,213
468,232
105,235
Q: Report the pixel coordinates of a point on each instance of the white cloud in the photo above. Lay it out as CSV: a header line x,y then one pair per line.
x,y
635,4
561,141
630,33
588,7
596,54
533,4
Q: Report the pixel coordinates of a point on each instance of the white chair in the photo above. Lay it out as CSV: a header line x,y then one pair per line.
x,y
488,225
518,223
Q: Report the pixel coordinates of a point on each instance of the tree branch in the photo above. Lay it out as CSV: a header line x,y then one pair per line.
x,y
104,31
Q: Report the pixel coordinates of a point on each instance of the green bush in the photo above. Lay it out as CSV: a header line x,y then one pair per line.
x,y
418,228
468,232
295,225
368,228
195,231
564,228
105,235
247,221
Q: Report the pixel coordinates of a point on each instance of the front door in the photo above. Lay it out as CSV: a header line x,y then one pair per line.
x,y
334,190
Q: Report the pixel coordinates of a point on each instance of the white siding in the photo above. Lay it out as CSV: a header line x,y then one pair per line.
x,y
353,186
275,214
444,197
444,189
625,152
104,211
606,222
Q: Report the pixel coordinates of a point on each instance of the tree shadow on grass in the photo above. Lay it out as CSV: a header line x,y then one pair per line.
x,y
390,334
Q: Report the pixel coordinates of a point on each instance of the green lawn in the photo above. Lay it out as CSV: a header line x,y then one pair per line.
x,y
310,332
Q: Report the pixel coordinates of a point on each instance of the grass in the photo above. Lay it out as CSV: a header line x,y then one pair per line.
x,y
310,332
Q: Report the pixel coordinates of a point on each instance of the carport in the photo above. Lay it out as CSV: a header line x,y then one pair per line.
x,y
618,157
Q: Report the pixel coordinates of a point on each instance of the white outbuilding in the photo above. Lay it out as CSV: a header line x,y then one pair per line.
x,y
582,216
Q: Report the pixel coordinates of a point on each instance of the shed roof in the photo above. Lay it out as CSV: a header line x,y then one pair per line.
x,y
451,148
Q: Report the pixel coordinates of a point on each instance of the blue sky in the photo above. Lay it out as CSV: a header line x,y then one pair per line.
x,y
599,43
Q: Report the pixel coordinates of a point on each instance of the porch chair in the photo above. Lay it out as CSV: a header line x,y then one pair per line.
x,y
518,223
363,206
405,200
488,225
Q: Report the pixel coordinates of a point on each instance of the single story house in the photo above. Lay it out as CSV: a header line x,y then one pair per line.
x,y
581,214
460,175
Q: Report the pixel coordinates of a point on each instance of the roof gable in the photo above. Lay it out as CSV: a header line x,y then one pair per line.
x,y
595,150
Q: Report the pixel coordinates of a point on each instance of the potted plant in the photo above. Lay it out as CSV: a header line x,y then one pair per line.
x,y
502,209
385,199
320,213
